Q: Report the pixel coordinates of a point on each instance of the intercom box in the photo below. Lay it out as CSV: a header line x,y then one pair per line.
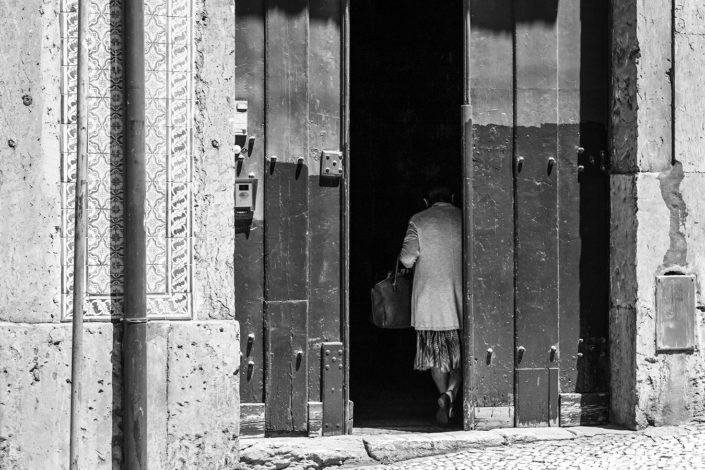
x,y
245,195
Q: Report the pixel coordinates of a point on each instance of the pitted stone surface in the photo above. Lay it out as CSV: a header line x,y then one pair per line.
x,y
301,452
193,402
30,213
668,447
398,447
35,396
203,401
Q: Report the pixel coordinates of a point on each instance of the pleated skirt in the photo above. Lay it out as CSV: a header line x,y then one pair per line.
x,y
440,349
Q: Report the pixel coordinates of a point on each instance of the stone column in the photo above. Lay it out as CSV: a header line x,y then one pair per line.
x,y
657,204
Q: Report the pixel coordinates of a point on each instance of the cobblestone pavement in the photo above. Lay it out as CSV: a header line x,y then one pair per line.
x,y
681,447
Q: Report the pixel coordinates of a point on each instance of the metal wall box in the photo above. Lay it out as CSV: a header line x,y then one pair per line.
x,y
675,313
240,123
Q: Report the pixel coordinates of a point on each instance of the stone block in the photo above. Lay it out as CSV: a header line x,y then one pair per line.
x,y
689,16
35,396
193,403
398,447
203,402
30,280
302,452
213,165
623,231
656,229
641,99
689,101
522,435
590,431
157,415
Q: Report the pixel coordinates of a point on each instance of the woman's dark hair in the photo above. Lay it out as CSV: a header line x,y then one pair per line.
x,y
437,191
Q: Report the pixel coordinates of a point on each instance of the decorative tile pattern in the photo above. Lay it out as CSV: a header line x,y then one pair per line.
x,y
168,128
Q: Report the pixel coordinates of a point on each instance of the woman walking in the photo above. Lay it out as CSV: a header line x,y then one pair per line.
x,y
433,244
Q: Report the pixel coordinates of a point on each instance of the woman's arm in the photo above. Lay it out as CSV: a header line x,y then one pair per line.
x,y
410,248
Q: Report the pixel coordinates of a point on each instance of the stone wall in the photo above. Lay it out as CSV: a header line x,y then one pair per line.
x,y
193,364
193,401
657,205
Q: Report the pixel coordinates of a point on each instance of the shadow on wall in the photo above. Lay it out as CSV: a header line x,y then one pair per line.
x,y
543,11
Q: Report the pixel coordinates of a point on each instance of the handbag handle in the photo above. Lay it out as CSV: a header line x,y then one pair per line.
x,y
396,269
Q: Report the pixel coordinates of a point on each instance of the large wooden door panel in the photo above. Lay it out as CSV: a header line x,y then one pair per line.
x,y
325,299
286,215
492,235
536,229
249,266
288,275
539,80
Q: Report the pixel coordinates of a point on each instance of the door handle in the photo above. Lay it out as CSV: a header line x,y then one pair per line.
x,y
519,162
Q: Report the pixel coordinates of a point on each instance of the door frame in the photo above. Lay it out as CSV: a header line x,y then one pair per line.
x,y
345,208
467,150
466,159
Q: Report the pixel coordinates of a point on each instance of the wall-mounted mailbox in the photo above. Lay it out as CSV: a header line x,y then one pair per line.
x,y
675,313
245,199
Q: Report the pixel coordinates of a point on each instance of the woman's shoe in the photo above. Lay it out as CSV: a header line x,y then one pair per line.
x,y
445,407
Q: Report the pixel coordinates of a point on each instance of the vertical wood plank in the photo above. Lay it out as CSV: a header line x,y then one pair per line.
x,y
286,212
536,230
569,28
324,96
493,214
249,249
536,197
583,195
532,400
286,404
286,181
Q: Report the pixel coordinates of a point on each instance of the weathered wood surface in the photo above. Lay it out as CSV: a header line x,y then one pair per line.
x,y
324,78
249,248
286,213
252,420
532,398
535,185
553,396
583,195
315,418
286,378
492,234
286,178
584,409
536,228
569,247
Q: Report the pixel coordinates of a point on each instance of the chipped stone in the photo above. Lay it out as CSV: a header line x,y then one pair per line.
x,y
398,447
301,452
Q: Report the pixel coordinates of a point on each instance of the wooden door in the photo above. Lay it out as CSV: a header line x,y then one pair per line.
x,y
540,235
288,264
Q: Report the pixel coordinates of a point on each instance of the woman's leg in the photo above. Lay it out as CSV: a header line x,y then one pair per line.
x,y
440,379
455,382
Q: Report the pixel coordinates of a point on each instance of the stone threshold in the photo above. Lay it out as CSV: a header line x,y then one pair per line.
x,y
361,449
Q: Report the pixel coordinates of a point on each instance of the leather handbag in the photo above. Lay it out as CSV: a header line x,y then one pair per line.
x,y
391,301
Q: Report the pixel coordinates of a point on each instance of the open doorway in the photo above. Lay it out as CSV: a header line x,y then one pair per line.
x,y
406,92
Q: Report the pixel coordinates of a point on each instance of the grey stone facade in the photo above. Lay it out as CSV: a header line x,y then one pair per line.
x,y
657,206
657,212
193,371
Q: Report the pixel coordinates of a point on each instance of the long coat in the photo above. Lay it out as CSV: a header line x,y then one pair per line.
x,y
433,243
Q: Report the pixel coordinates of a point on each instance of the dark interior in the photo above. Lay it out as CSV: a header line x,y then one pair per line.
x,y
406,92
